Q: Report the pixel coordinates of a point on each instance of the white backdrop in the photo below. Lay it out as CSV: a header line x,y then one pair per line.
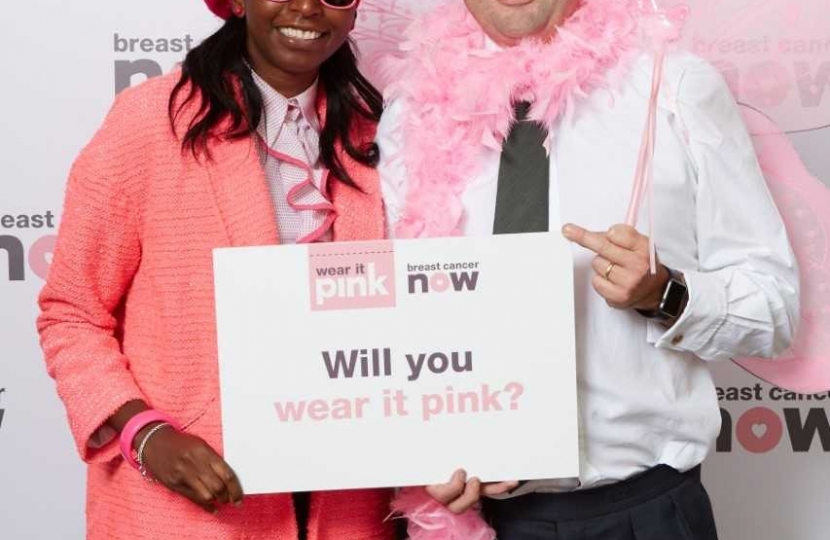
x,y
62,61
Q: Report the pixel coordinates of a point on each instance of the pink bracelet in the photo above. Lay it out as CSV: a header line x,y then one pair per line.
x,y
136,424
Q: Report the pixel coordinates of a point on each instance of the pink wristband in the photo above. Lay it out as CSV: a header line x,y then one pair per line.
x,y
136,424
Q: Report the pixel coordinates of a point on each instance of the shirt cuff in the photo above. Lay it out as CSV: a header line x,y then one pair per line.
x,y
704,315
102,437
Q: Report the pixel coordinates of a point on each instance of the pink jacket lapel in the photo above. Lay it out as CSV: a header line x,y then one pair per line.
x,y
241,193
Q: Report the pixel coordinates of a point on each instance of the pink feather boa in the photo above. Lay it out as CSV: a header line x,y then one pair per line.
x,y
459,92
430,520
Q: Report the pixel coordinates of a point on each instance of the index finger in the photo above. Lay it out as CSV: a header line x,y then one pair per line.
x,y
234,488
596,242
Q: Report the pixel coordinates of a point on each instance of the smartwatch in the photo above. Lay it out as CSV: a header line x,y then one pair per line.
x,y
675,296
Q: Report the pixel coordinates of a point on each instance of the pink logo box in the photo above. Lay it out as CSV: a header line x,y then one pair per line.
x,y
351,275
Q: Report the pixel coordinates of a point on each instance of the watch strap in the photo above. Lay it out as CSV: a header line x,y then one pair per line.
x,y
670,306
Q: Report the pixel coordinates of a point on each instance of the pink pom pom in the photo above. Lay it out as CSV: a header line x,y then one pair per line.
x,y
221,8
431,520
662,26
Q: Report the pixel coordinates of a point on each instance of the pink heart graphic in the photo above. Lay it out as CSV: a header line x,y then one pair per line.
x,y
759,430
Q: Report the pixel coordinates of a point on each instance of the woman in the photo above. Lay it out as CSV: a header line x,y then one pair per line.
x,y
264,136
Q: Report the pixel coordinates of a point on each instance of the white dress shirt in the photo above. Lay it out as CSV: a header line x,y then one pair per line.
x,y
646,396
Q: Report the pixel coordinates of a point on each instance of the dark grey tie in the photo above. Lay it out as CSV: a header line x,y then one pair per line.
x,y
524,178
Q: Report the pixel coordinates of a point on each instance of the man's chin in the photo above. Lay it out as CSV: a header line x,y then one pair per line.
x,y
518,34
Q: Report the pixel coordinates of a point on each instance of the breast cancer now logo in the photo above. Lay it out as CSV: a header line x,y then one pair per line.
x,y
442,277
38,257
357,276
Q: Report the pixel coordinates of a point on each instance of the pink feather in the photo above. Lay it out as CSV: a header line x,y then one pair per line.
x,y
430,520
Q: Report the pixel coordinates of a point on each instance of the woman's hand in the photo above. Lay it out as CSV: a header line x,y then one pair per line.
x,y
460,494
187,465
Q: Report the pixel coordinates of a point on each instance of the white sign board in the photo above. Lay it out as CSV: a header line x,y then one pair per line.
x,y
372,364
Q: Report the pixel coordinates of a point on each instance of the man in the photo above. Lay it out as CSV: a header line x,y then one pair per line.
x,y
487,89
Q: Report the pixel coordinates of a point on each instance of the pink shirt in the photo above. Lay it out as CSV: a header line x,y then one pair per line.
x,y
290,156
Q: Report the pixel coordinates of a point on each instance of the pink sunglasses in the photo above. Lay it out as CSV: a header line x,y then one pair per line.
x,y
333,4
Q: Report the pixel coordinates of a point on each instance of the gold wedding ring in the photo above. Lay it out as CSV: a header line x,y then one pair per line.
x,y
608,271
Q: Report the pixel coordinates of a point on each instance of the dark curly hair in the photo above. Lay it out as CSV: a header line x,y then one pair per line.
x,y
209,71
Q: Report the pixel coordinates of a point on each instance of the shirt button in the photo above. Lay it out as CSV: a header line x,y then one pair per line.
x,y
676,340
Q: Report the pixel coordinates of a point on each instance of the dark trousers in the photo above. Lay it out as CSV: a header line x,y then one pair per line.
x,y
660,504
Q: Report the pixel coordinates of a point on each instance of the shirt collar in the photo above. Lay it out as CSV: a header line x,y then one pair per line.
x,y
275,106
490,45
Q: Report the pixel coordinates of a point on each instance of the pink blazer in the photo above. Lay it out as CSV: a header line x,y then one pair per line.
x,y
128,313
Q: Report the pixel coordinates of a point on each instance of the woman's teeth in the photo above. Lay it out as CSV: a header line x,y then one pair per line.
x,y
296,33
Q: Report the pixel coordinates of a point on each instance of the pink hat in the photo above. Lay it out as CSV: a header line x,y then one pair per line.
x,y
221,8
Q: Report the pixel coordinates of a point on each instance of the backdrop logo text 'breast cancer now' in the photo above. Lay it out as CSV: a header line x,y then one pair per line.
x,y
358,276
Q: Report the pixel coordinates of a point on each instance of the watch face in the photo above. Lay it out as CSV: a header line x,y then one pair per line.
x,y
673,300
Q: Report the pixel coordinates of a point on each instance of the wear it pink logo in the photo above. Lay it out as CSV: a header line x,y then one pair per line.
x,y
351,276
